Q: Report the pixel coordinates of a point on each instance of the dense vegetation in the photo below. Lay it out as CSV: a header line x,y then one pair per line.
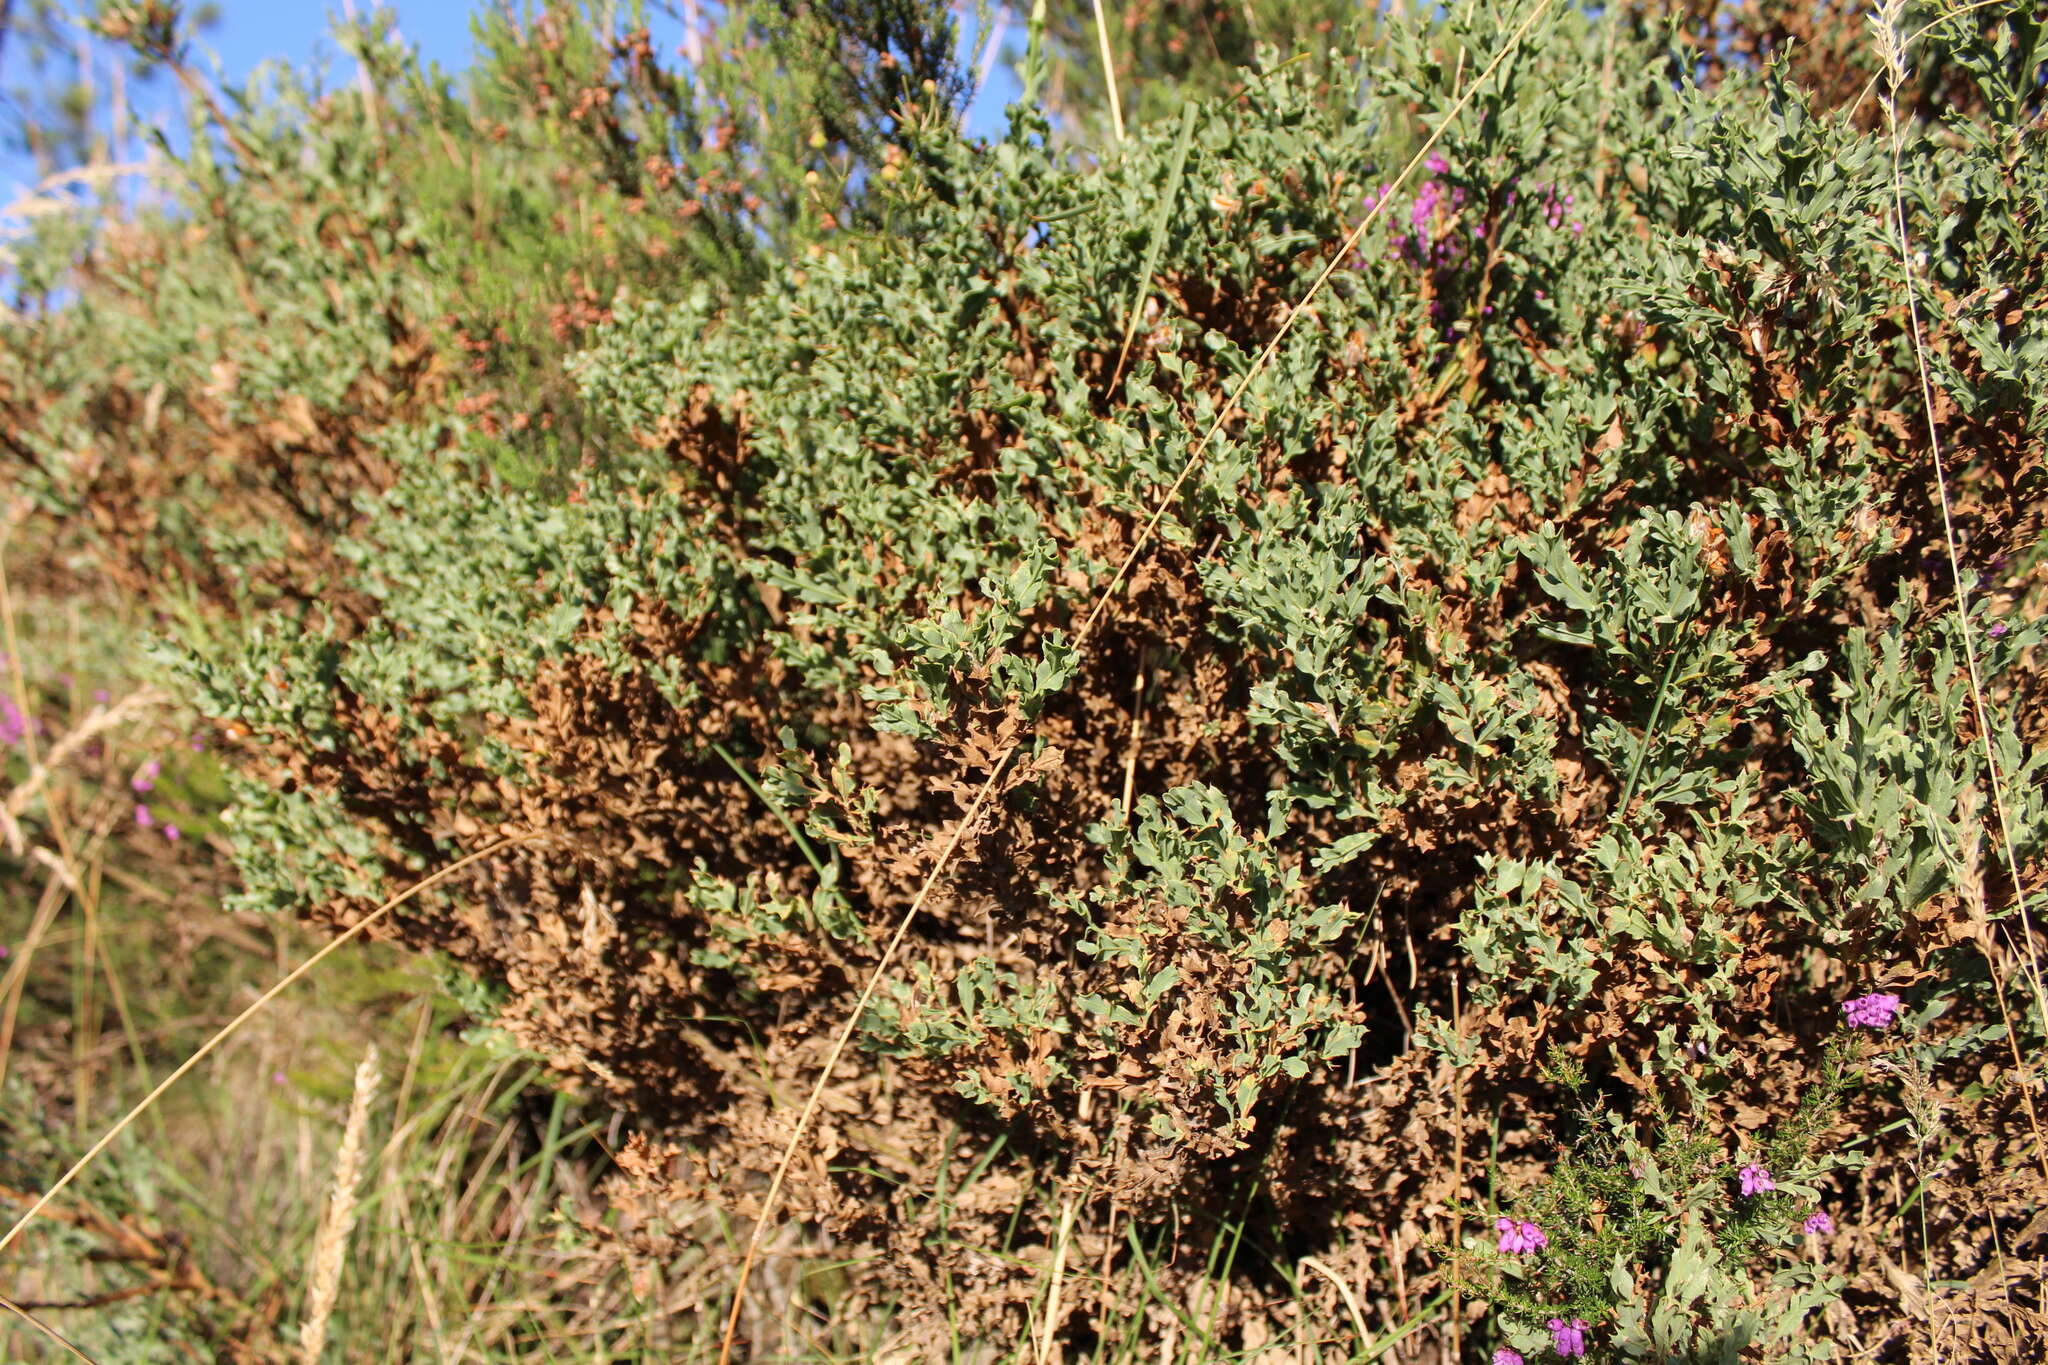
x,y
1555,676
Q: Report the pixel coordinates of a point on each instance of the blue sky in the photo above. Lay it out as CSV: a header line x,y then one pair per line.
x,y
252,32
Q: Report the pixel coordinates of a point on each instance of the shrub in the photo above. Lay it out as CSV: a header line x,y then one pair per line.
x,y
1562,615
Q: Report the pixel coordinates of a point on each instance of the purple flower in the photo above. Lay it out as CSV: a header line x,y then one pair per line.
x,y
173,833
1436,164
1873,1011
143,819
1519,1238
13,725
5,952
1998,630
1568,1337
146,779
1818,1224
1756,1180
1506,1355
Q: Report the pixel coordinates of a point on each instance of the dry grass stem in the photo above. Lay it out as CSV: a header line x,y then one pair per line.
x,y
97,721
1890,41
234,1025
1344,1293
330,1246
1116,107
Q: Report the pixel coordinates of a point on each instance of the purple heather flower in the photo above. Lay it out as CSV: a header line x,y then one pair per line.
x,y
1568,1337
1998,630
1519,1238
146,779
1874,1011
173,833
1756,1180
1436,164
1818,1224
13,725
1506,1355
143,819
5,952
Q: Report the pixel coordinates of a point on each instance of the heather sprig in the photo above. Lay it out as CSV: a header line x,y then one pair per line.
x,y
1660,1198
